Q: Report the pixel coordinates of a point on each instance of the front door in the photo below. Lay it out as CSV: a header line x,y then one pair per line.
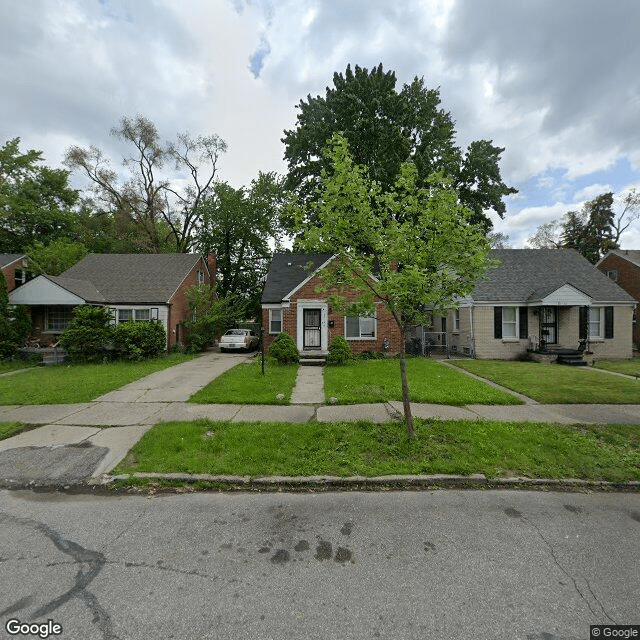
x,y
549,325
311,322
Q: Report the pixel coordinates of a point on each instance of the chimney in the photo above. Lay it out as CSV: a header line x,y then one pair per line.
x,y
211,264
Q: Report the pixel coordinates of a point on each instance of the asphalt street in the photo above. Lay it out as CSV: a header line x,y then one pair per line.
x,y
503,565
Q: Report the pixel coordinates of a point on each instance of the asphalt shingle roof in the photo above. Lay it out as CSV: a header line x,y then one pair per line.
x,y
81,288
528,275
135,278
287,271
8,258
632,255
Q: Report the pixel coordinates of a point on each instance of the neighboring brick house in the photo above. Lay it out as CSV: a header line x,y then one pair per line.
x,y
15,269
291,303
623,267
541,299
135,286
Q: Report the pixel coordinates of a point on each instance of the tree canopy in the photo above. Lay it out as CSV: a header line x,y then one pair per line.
x,y
386,128
36,202
165,216
593,230
425,248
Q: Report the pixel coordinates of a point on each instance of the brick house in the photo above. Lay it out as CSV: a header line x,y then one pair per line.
x,y
542,300
291,303
15,269
623,267
136,287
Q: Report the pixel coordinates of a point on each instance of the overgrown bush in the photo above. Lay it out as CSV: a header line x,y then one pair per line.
x,y
371,355
88,334
139,340
339,351
284,349
14,323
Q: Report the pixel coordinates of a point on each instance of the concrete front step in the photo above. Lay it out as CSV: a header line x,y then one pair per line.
x,y
313,362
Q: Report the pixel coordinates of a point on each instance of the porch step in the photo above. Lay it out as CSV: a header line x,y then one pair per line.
x,y
313,359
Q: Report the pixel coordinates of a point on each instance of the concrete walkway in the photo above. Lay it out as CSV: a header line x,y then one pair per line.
x,y
309,387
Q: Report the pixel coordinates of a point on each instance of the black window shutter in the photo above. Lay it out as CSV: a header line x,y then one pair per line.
x,y
608,322
524,322
497,322
582,322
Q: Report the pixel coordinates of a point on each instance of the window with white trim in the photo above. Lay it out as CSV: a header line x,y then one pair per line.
x,y
275,320
456,320
137,315
360,327
596,322
200,277
509,322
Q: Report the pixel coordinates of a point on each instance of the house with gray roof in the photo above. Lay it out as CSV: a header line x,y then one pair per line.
x,y
623,267
136,287
542,300
15,267
293,302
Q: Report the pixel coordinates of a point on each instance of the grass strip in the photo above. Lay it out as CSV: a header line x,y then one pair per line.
x,y
556,384
14,365
62,384
8,429
497,449
628,367
245,384
429,381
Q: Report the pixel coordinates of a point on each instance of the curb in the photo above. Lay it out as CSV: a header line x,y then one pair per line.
x,y
363,483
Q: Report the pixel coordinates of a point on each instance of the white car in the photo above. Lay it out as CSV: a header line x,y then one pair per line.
x,y
236,339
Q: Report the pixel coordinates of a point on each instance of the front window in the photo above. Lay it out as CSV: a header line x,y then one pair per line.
x,y
275,320
456,320
137,315
595,322
360,327
509,322
58,319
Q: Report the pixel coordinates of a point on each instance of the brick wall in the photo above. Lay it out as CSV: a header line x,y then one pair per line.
x,y
179,310
10,275
386,326
629,280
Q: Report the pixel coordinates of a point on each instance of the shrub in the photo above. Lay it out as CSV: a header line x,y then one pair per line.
x,y
284,349
371,355
14,323
139,340
88,334
339,351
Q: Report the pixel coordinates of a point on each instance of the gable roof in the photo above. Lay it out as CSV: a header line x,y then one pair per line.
x,y
530,275
8,258
288,271
136,278
630,255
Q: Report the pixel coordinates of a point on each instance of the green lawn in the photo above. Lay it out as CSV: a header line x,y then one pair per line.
x,y
630,367
556,384
368,381
8,429
245,384
62,384
14,365
497,449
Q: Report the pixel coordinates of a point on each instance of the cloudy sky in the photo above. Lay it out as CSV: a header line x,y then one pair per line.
x,y
555,82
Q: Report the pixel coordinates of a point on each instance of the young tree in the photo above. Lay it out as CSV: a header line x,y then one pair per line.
x,y
385,128
160,210
424,246
36,202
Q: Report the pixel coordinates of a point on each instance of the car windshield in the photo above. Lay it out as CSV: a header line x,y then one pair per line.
x,y
236,332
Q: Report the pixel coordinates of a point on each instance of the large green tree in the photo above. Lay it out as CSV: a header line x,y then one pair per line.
x,y
36,201
165,216
425,247
241,226
385,128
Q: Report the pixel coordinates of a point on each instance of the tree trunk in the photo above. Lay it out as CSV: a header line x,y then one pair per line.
x,y
406,402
